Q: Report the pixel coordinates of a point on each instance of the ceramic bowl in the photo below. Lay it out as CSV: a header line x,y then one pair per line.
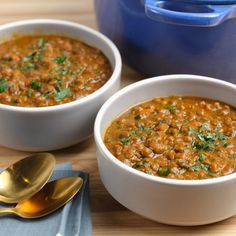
x,y
55,127
170,201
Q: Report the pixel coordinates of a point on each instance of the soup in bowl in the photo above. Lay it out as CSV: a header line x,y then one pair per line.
x,y
165,148
177,137
54,77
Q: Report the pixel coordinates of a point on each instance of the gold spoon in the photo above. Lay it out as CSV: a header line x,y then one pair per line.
x,y
51,197
26,177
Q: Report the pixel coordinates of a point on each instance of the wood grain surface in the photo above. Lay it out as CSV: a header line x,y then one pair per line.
x,y
108,216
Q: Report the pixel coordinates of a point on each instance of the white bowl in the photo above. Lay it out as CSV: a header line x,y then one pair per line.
x,y
170,201
55,127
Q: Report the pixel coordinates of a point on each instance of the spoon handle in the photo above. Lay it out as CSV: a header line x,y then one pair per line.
x,y
7,211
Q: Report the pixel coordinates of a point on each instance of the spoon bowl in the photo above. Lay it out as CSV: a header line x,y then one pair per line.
x,y
51,197
24,178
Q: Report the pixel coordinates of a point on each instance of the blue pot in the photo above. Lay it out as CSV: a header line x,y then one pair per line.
x,y
173,36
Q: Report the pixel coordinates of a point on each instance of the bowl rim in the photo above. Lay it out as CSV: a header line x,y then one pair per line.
x,y
63,23
174,182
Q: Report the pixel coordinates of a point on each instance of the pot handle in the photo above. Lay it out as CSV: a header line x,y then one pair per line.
x,y
182,14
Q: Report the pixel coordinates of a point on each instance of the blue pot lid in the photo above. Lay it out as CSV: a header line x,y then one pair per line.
x,y
206,2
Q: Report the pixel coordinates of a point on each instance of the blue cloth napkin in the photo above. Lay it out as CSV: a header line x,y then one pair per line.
x,y
72,220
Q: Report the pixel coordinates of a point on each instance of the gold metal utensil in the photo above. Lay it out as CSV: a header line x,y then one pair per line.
x,y
26,177
51,197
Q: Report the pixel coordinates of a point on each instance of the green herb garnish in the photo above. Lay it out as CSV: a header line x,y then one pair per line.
x,y
143,128
137,117
205,146
207,140
192,130
64,71
166,172
125,139
28,67
202,157
200,167
40,42
132,132
46,95
160,171
60,60
62,93
171,108
138,165
204,167
204,126
29,93
3,85
35,84
32,57
26,59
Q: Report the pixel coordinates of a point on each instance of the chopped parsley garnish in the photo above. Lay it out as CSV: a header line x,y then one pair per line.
x,y
207,146
166,172
125,139
204,126
202,157
78,71
28,67
207,140
29,93
64,71
3,85
200,167
60,60
192,130
47,95
143,128
138,165
62,94
33,56
40,42
160,170
137,117
35,84
171,108
132,132
26,59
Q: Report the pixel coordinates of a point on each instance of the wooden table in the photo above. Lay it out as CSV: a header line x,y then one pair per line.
x,y
108,216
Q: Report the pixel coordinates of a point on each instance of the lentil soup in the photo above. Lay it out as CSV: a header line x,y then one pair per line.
x,y
176,137
38,71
